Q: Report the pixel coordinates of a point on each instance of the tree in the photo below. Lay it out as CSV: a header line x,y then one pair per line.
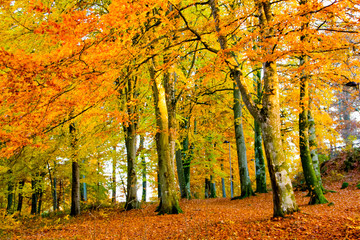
x,y
169,203
246,189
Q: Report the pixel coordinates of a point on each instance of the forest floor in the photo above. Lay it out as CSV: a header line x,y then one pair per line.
x,y
218,218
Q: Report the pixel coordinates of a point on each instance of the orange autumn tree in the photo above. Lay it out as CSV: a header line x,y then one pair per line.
x,y
78,51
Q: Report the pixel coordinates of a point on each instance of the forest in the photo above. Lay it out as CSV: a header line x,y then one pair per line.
x,y
217,119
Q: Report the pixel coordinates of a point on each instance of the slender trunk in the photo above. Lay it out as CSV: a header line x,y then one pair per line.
x,y
260,171
312,182
10,197
180,173
186,162
40,194
33,196
75,181
21,196
314,186
212,187
113,198
130,129
313,147
169,200
143,166
54,195
131,187
59,197
223,183
246,190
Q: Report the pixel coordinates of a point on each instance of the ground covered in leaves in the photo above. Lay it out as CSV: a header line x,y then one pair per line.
x,y
207,219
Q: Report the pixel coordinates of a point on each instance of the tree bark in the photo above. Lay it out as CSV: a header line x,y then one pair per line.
x,y
33,196
246,189
143,165
75,182
180,173
10,197
260,170
130,129
21,196
313,147
169,200
113,187
314,186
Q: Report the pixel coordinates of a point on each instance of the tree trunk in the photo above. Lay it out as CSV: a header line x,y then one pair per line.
x,y
75,182
54,195
314,186
21,196
169,200
246,190
260,171
186,162
130,129
130,143
33,196
10,197
180,173
313,147
212,187
223,183
143,166
113,198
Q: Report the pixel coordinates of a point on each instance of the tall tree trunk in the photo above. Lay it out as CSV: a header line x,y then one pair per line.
x,y
10,197
312,182
33,196
113,198
186,160
130,143
143,167
40,195
260,171
21,196
313,147
130,129
223,183
169,200
246,190
54,194
314,186
212,187
180,173
269,119
75,181
283,194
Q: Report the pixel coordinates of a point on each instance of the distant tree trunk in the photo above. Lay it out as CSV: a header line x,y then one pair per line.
x,y
34,196
246,190
169,200
186,162
40,194
130,129
21,196
59,196
10,197
143,168
75,182
113,198
260,171
223,183
131,188
180,173
314,186
54,195
207,188
212,187
313,147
